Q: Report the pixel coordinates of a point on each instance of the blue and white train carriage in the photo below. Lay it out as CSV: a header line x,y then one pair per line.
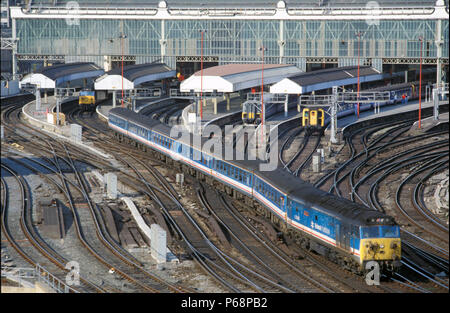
x,y
345,232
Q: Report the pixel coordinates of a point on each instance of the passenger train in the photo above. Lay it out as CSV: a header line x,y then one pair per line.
x,y
397,93
343,231
315,119
88,99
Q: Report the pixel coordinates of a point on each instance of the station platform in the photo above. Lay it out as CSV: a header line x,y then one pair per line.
x,y
282,117
384,111
141,104
208,110
38,118
224,112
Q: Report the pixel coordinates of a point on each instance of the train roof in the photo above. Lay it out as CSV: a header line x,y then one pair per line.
x,y
140,119
394,86
322,201
344,209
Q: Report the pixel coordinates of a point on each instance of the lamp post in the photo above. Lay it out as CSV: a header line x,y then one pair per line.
x,y
201,75
122,37
262,95
357,93
420,81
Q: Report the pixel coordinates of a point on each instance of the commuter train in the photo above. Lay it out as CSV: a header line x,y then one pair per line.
x,y
88,99
313,119
343,231
397,93
251,110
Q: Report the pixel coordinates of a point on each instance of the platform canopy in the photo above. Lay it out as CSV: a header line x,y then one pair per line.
x,y
235,77
326,78
53,76
133,75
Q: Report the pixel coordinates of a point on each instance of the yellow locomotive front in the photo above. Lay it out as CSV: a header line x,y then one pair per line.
x,y
382,244
313,118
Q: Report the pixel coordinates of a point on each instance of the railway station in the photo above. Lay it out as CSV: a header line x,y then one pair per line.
x,y
221,147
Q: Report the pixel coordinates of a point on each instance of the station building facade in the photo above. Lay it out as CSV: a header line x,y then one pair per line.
x,y
384,34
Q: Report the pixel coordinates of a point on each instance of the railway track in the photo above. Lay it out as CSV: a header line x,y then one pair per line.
x,y
260,251
191,231
27,242
379,156
229,260
116,260
192,234
388,288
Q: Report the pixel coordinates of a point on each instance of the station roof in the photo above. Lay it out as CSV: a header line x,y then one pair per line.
x,y
53,76
235,77
133,75
326,78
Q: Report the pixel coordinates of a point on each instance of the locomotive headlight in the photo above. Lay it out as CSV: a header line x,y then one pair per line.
x,y
382,246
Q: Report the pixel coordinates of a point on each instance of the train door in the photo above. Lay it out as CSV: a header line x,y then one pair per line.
x,y
320,117
307,218
305,120
313,118
338,234
345,237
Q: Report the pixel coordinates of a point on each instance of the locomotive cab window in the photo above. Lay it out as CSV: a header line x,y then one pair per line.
x,y
370,232
390,231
